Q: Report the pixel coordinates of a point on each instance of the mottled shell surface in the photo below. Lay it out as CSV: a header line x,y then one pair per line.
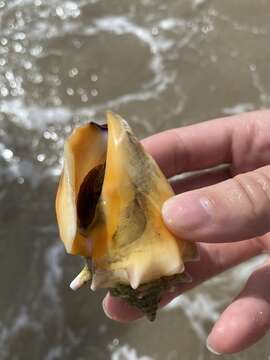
x,y
125,237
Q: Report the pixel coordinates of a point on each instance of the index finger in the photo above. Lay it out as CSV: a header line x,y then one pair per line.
x,y
193,147
203,145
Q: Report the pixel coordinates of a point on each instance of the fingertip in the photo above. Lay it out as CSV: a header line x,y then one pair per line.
x,y
166,212
187,215
119,310
241,325
227,338
105,306
210,348
218,341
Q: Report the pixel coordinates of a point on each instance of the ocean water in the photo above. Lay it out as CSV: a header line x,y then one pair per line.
x,y
160,65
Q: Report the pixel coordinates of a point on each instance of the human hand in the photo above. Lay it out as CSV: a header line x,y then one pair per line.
x,y
219,210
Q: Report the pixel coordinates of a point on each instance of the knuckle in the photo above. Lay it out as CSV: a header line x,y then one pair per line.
x,y
247,194
181,151
255,190
263,180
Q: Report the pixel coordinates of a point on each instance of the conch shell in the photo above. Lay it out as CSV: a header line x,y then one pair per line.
x,y
108,208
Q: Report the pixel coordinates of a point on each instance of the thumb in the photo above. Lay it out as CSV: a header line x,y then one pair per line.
x,y
232,210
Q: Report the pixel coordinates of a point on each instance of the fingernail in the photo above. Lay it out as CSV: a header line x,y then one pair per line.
x,y
209,347
104,305
187,212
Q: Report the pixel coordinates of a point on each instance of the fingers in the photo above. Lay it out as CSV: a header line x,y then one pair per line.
x,y
247,319
200,179
232,210
214,259
241,140
191,148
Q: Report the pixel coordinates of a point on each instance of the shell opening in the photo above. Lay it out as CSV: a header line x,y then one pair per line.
x,y
88,197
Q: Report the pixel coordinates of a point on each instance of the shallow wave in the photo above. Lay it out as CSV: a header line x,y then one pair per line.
x,y
38,116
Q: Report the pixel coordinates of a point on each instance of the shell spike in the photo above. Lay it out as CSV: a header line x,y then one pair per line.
x,y
81,279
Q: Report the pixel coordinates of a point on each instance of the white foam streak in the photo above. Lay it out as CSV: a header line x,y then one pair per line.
x,y
198,310
33,117
198,3
54,353
20,322
125,352
238,109
54,270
